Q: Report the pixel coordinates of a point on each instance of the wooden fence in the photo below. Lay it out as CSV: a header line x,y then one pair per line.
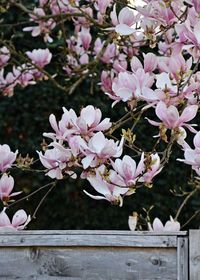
x,y
99,255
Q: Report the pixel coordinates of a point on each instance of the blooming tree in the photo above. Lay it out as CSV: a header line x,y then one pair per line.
x,y
105,42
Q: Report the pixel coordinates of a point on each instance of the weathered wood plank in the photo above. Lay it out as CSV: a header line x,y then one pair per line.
x,y
99,240
88,263
182,258
93,232
194,254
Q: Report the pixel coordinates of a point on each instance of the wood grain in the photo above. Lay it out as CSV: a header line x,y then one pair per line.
x,y
194,254
93,255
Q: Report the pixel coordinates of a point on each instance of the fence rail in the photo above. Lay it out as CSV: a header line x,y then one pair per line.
x,y
99,255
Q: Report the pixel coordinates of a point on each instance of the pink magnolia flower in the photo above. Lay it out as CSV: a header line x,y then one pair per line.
x,y
134,86
157,10
6,157
132,221
55,160
7,83
86,124
170,116
99,149
6,187
40,57
170,225
19,220
176,65
85,37
189,37
23,75
192,156
102,5
44,27
4,56
124,22
125,172
150,63
108,191
152,169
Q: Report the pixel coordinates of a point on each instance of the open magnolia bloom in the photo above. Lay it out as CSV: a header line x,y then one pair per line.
x,y
108,191
171,119
170,225
6,157
19,220
6,187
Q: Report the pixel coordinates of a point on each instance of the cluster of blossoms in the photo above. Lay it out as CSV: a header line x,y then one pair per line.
x,y
26,74
79,142
20,218
109,44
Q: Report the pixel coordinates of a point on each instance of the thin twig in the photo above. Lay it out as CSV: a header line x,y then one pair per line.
x,y
184,203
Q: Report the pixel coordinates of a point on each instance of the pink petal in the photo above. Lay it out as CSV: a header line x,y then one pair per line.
x,y
124,29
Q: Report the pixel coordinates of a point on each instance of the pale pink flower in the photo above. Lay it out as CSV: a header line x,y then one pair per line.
x,y
85,37
102,5
125,172
4,56
157,10
44,27
40,57
134,86
132,221
6,187
19,220
152,169
108,191
109,53
170,116
23,75
55,160
170,225
189,37
192,156
176,65
86,124
150,63
6,157
99,149
124,22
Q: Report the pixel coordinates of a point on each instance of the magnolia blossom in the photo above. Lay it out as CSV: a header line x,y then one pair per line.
x,y
6,157
176,65
170,225
108,191
150,63
70,124
124,22
170,116
189,36
4,56
19,220
55,160
102,5
125,172
153,167
6,187
85,38
132,221
40,57
192,156
134,86
99,149
44,27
